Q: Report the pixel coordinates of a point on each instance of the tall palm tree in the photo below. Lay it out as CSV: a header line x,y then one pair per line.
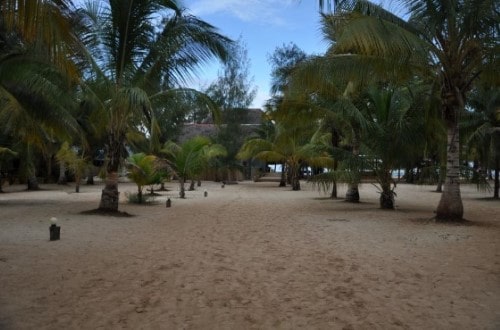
x,y
45,25
37,48
35,105
452,42
139,50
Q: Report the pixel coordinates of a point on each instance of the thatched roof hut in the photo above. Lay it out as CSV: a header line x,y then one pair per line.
x,y
252,121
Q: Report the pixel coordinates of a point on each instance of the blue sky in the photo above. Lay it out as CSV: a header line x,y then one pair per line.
x,y
263,26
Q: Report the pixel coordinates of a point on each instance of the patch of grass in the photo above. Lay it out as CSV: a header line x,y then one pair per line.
x,y
134,198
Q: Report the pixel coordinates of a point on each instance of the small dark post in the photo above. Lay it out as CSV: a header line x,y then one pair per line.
x,y
205,193
55,232
169,202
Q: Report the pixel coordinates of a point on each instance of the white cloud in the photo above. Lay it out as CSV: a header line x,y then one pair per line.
x,y
259,11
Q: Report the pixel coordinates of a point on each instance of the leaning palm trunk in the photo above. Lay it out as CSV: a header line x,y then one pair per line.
x,y
450,206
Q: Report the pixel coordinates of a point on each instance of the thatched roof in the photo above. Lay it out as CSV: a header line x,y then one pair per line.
x,y
253,120
191,130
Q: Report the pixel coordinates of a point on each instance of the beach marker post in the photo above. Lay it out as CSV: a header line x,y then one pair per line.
x,y
54,229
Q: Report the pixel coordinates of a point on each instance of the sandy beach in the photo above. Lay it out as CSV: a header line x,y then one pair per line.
x,y
248,256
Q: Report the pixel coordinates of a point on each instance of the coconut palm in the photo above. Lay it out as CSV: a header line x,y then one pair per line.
x,y
290,146
142,169
76,164
37,72
395,134
452,42
5,156
189,159
139,51
482,129
35,106
45,25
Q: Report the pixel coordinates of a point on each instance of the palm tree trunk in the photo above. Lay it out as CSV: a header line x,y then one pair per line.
x,y
139,194
191,185
352,194
33,183
295,177
62,174
110,195
335,143
90,175
333,194
283,176
182,191
450,206
439,187
441,178
387,195
497,178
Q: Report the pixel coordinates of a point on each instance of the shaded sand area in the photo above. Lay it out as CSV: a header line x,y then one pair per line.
x,y
249,256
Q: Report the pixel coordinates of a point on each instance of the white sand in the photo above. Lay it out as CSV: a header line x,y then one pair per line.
x,y
249,256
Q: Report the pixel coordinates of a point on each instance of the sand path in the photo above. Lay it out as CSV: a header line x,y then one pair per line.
x,y
249,256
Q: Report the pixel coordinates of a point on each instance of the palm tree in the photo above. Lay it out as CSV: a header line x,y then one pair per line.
x,y
46,25
189,159
140,50
37,48
142,169
452,42
35,105
5,155
290,146
76,164
395,134
482,129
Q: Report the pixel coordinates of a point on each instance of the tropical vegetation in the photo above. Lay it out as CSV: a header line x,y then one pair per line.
x,y
103,84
